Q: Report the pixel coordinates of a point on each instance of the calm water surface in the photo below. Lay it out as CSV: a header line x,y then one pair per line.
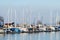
x,y
31,36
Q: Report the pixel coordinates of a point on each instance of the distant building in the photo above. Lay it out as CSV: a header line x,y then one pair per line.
x,y
1,22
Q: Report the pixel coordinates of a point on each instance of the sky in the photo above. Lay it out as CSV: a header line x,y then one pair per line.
x,y
29,11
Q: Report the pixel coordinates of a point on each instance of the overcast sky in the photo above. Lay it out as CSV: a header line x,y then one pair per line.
x,y
29,11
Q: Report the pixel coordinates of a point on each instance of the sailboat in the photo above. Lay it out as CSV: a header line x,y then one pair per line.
x,y
51,26
12,29
24,26
57,27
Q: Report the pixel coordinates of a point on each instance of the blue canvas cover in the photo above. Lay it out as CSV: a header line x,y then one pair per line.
x,y
15,30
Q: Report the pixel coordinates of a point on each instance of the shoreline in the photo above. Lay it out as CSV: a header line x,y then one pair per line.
x,y
28,32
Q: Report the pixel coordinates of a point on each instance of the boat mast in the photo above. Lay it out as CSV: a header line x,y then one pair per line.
x,y
56,18
8,20
34,22
42,20
11,14
15,17
15,22
23,18
30,16
51,18
26,11
8,16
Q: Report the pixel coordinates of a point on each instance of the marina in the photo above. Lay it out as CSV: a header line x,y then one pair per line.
x,y
10,28
29,19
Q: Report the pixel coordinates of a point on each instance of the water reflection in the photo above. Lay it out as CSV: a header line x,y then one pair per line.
x,y
31,36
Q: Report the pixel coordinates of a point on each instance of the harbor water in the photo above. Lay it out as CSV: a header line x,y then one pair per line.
x,y
31,36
